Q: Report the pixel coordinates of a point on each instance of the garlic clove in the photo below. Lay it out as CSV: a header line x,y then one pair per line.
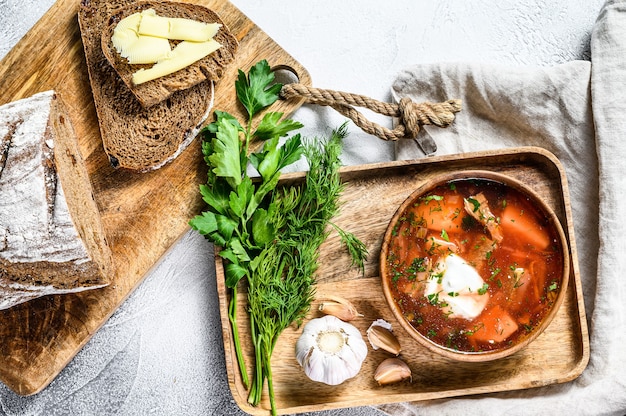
x,y
330,351
380,337
339,307
392,370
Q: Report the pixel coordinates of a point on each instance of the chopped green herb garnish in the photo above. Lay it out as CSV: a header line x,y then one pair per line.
x,y
483,289
474,202
470,332
417,266
432,198
494,273
433,298
438,276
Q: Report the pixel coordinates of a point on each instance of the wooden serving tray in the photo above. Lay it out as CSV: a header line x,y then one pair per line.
x,y
143,214
372,195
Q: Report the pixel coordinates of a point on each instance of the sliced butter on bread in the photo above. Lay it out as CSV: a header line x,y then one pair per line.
x,y
210,67
134,137
52,240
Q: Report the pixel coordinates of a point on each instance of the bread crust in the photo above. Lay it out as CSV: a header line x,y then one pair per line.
x,y
134,137
210,67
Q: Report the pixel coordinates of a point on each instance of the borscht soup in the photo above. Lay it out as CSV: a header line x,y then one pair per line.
x,y
473,264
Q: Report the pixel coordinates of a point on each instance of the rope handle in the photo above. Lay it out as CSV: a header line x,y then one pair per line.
x,y
411,115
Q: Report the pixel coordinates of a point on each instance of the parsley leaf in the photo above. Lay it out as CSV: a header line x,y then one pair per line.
x,y
205,223
254,91
216,197
226,153
271,126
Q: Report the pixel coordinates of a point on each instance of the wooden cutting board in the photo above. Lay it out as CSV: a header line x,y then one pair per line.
x,y
143,214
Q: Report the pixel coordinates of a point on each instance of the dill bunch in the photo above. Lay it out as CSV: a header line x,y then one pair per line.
x,y
282,284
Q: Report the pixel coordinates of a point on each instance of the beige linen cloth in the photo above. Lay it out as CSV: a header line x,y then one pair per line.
x,y
578,112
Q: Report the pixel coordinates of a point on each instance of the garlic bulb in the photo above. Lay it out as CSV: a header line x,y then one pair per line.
x,y
330,351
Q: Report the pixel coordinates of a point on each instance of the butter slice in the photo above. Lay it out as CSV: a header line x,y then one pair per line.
x,y
135,48
147,50
183,55
176,28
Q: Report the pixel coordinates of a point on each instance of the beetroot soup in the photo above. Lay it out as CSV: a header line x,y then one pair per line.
x,y
474,265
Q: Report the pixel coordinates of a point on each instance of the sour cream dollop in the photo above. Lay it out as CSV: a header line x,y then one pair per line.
x,y
457,285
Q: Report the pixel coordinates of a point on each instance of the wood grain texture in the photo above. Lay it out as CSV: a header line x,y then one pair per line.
x,y
372,195
143,214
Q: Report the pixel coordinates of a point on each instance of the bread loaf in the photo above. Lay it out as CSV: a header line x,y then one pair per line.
x,y
51,237
137,138
153,92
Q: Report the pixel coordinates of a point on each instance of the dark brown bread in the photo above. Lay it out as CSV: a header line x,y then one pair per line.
x,y
211,67
137,138
66,249
72,173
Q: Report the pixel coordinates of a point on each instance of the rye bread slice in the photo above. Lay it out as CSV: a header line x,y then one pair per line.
x,y
52,240
210,67
137,138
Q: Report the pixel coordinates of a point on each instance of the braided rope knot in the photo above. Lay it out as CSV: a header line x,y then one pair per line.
x,y
411,115
414,115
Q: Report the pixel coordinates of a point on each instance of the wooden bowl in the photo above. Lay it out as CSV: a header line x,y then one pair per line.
x,y
405,286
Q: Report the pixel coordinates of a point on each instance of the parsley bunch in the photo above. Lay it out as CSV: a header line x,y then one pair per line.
x,y
236,219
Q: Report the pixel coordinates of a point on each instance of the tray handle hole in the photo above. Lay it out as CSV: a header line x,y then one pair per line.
x,y
284,74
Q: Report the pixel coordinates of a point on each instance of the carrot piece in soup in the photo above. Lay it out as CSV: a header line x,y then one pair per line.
x,y
523,227
441,215
498,325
